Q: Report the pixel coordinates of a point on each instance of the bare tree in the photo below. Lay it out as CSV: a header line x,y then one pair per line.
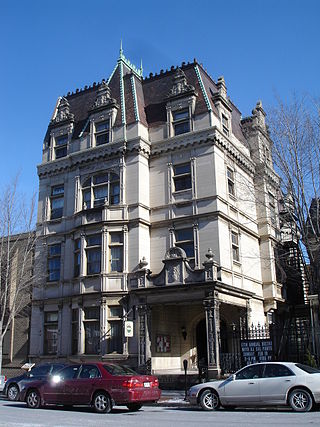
x,y
17,242
295,131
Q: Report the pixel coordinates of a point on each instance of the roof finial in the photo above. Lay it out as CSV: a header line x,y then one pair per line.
x,y
121,50
141,68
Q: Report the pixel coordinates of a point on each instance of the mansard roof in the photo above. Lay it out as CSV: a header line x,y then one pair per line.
x,y
145,99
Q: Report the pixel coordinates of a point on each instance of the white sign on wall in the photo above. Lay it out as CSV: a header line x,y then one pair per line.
x,y
128,328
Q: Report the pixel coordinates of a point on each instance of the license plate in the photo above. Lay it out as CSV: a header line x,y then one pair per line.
x,y
146,384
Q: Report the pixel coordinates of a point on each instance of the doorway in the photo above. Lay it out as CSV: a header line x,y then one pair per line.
x,y
201,339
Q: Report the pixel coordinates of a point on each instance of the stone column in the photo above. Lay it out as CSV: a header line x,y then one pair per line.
x,y
211,306
77,190
122,177
81,333
144,361
61,330
103,325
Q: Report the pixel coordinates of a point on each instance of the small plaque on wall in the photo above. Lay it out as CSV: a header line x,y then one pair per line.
x,y
163,344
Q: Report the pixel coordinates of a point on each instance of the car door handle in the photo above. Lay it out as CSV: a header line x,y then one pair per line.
x,y
251,383
287,381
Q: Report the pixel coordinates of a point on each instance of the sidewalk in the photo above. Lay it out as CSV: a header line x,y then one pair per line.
x,y
172,398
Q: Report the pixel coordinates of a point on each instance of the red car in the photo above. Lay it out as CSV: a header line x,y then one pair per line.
x,y
101,385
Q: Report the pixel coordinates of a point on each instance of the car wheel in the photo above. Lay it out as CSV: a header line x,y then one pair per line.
x,y
300,400
102,403
209,400
13,392
33,399
134,406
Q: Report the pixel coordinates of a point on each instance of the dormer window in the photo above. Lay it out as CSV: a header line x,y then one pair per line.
x,y
102,133
181,121
61,146
225,125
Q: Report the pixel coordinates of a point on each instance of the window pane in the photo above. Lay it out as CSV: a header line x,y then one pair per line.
x,y
102,126
69,373
57,203
100,192
51,316
180,115
116,311
115,194
61,152
272,371
92,313
113,177
115,340
250,372
116,258
93,261
51,339
98,179
102,139
40,370
187,247
181,169
57,190
181,128
183,183
62,140
92,337
54,250
87,183
87,198
116,237
94,240
185,234
89,371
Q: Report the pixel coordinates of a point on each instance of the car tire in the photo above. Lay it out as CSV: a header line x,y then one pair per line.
x,y
13,392
102,403
33,399
209,400
134,407
300,400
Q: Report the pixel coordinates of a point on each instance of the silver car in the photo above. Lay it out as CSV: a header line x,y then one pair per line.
x,y
262,384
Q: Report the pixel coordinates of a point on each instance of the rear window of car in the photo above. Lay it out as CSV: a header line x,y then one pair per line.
x,y
119,370
308,369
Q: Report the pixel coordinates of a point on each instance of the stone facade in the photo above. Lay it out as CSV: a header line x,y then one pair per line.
x,y
157,206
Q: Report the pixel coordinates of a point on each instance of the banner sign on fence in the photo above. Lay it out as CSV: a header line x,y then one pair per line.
x,y
254,351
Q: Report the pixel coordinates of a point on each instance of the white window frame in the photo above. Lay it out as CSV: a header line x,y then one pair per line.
x,y
235,246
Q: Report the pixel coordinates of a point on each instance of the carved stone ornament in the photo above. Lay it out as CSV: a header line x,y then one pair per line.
x,y
174,273
63,112
103,98
175,252
180,85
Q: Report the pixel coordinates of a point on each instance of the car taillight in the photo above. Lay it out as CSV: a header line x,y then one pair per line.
x,y
5,378
132,384
155,382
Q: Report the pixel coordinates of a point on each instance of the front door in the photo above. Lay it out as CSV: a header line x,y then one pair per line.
x,y
57,390
245,388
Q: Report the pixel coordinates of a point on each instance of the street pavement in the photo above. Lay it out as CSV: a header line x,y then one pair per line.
x,y
172,410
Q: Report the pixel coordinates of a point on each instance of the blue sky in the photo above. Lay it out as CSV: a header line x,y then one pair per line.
x,y
48,48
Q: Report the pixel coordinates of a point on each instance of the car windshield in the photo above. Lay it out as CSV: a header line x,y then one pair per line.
x,y
119,370
308,369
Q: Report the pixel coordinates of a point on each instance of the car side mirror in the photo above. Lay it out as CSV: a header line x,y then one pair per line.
x,y
233,377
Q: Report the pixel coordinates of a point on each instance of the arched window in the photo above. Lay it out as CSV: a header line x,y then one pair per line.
x,y
100,189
